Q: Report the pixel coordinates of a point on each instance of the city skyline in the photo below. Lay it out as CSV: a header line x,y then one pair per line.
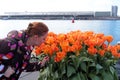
x,y
55,5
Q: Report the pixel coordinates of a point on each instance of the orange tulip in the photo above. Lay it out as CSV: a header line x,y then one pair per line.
x,y
109,38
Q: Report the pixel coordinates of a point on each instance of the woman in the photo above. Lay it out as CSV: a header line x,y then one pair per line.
x,y
16,48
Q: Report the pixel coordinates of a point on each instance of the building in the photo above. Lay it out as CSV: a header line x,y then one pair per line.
x,y
103,14
114,11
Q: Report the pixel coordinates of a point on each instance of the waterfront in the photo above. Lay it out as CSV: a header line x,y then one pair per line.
x,y
77,15
108,27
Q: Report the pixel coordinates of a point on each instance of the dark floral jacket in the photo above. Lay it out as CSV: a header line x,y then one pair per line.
x,y
15,53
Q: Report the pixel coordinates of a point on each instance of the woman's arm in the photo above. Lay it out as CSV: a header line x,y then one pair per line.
x,y
36,66
6,53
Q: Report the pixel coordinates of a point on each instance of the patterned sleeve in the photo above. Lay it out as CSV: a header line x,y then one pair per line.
x,y
6,53
32,67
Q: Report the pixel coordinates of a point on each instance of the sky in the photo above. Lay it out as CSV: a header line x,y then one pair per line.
x,y
57,5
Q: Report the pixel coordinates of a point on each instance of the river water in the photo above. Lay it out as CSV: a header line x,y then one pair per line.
x,y
108,27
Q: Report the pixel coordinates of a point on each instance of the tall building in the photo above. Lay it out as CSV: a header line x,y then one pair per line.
x,y
114,11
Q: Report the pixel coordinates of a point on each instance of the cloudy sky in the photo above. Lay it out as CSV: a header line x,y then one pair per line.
x,y
57,5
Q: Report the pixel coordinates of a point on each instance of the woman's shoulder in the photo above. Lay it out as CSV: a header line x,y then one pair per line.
x,y
12,34
15,34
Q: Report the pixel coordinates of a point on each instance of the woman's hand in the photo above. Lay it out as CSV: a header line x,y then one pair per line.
x,y
44,61
9,72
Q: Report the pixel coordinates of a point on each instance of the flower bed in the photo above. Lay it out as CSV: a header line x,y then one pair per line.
x,y
79,56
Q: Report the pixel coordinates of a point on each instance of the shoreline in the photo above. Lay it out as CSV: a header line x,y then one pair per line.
x,y
56,18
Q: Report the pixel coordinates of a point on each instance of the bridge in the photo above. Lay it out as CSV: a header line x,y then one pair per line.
x,y
47,15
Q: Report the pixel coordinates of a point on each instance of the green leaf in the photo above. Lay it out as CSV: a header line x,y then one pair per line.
x,y
92,65
85,59
107,75
78,75
109,62
75,77
44,73
116,76
112,70
63,69
98,68
83,66
76,62
83,77
94,77
114,73
56,75
70,70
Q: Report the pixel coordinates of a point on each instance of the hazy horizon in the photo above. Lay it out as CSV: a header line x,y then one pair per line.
x,y
57,5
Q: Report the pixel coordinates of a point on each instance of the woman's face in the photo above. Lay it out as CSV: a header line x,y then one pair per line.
x,y
40,39
37,40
